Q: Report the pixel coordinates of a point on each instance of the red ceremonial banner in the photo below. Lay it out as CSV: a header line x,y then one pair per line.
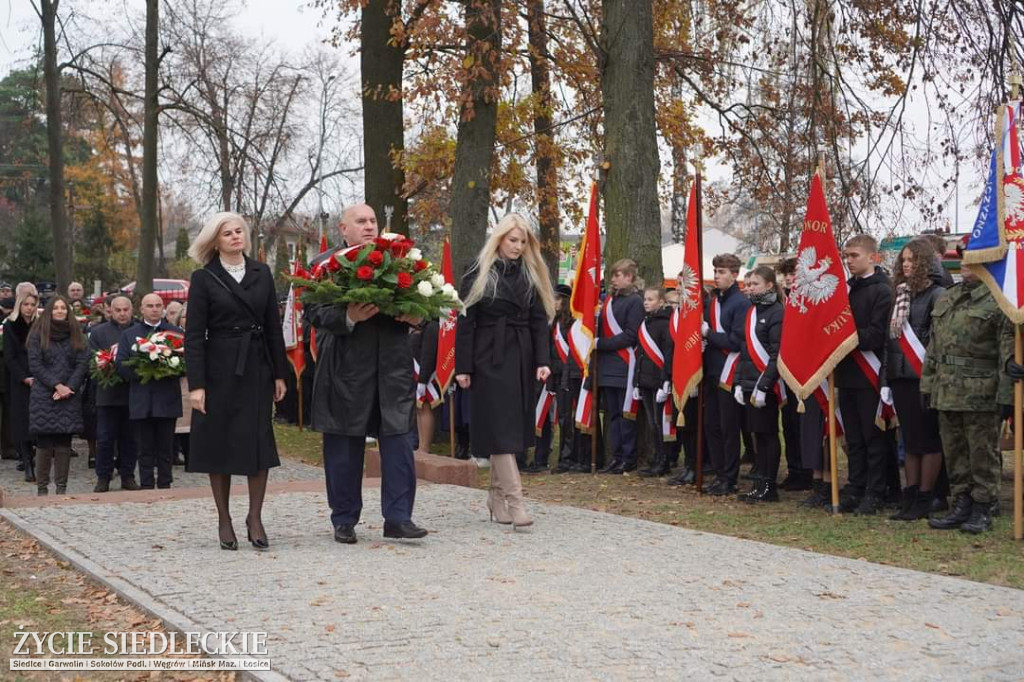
x,y
445,368
818,329
687,362
583,303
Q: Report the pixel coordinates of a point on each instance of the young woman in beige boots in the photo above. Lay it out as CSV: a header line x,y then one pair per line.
x,y
501,352
58,360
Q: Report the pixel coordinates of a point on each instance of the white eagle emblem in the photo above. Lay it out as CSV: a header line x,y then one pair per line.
x,y
1014,195
690,288
448,323
813,284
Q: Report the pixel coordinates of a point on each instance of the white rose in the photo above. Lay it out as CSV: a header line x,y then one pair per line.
x,y
167,352
415,254
437,280
390,236
450,294
174,362
424,289
152,355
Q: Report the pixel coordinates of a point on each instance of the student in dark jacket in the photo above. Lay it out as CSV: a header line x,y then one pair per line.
x,y
653,378
153,407
621,315
867,449
758,388
574,449
918,287
798,475
726,311
501,351
114,428
19,377
542,452
58,360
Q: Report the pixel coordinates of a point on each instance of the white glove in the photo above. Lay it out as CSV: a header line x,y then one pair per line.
x,y
703,346
693,393
704,329
661,396
636,393
737,393
886,395
759,398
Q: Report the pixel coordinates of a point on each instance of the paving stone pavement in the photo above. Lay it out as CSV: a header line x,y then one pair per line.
x,y
82,479
580,596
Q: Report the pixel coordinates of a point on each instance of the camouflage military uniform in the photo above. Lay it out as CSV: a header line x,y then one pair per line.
x,y
963,377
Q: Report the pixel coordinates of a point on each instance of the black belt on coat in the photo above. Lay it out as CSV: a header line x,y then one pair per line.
x,y
246,334
500,325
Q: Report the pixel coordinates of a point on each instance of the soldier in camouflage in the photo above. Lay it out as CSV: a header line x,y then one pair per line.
x,y
963,379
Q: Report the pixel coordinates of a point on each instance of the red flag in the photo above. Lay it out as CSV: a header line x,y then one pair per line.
x,y
446,336
323,243
583,303
292,329
687,361
817,326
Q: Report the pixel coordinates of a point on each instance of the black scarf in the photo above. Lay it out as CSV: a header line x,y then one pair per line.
x,y
765,298
513,285
59,330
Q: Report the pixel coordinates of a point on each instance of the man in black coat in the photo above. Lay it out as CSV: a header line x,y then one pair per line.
x,y
726,312
153,407
867,449
364,386
113,428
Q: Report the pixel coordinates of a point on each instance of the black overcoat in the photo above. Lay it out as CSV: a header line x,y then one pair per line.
x,y
58,364
363,383
648,374
500,342
235,355
16,362
159,399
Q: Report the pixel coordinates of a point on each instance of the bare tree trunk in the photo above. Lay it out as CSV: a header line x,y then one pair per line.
x,y
474,146
54,140
632,216
380,62
544,136
679,176
147,236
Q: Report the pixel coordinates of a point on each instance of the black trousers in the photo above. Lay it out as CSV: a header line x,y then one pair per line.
x,y
812,435
791,435
155,437
621,431
114,431
654,417
722,424
866,445
343,468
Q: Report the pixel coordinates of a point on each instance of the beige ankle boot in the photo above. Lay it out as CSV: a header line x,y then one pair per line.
x,y
512,488
496,499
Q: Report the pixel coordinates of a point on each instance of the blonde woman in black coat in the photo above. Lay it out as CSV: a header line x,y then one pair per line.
x,y
501,352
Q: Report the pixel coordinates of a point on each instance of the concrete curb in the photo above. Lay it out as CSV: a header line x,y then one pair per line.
x,y
171,619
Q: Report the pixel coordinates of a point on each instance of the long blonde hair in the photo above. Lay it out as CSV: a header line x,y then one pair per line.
x,y
25,294
534,268
205,245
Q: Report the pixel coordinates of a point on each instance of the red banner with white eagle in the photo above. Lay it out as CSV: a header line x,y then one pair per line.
x,y
818,329
445,369
583,303
687,360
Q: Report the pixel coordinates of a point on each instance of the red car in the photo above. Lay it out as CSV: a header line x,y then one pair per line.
x,y
167,289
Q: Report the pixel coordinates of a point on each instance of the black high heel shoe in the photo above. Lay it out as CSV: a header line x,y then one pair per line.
x,y
231,545
259,543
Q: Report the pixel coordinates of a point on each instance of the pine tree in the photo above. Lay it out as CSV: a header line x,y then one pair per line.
x,y
181,246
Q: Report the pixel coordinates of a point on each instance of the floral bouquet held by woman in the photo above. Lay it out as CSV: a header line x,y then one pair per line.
x,y
388,272
158,356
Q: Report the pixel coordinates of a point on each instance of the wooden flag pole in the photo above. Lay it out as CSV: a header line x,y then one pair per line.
x,y
699,459
451,420
1018,439
298,391
833,450
595,422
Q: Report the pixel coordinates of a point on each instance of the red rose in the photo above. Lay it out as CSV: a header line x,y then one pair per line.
x,y
351,255
376,258
400,247
420,265
364,272
318,271
382,244
333,265
404,280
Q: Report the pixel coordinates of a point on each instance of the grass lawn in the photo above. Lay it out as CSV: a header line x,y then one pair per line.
x,y
992,557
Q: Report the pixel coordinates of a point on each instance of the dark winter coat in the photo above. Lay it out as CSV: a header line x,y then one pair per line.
x,y
648,374
161,399
871,303
363,383
500,342
102,337
58,364
235,355
769,333
568,370
734,312
921,305
612,370
16,362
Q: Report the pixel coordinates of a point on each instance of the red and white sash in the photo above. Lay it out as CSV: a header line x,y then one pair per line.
x,y
543,409
584,411
668,423
561,345
821,395
426,393
732,359
871,366
759,354
651,350
912,348
611,327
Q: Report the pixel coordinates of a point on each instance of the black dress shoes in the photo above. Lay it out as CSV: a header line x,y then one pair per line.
x,y
612,468
407,530
345,534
